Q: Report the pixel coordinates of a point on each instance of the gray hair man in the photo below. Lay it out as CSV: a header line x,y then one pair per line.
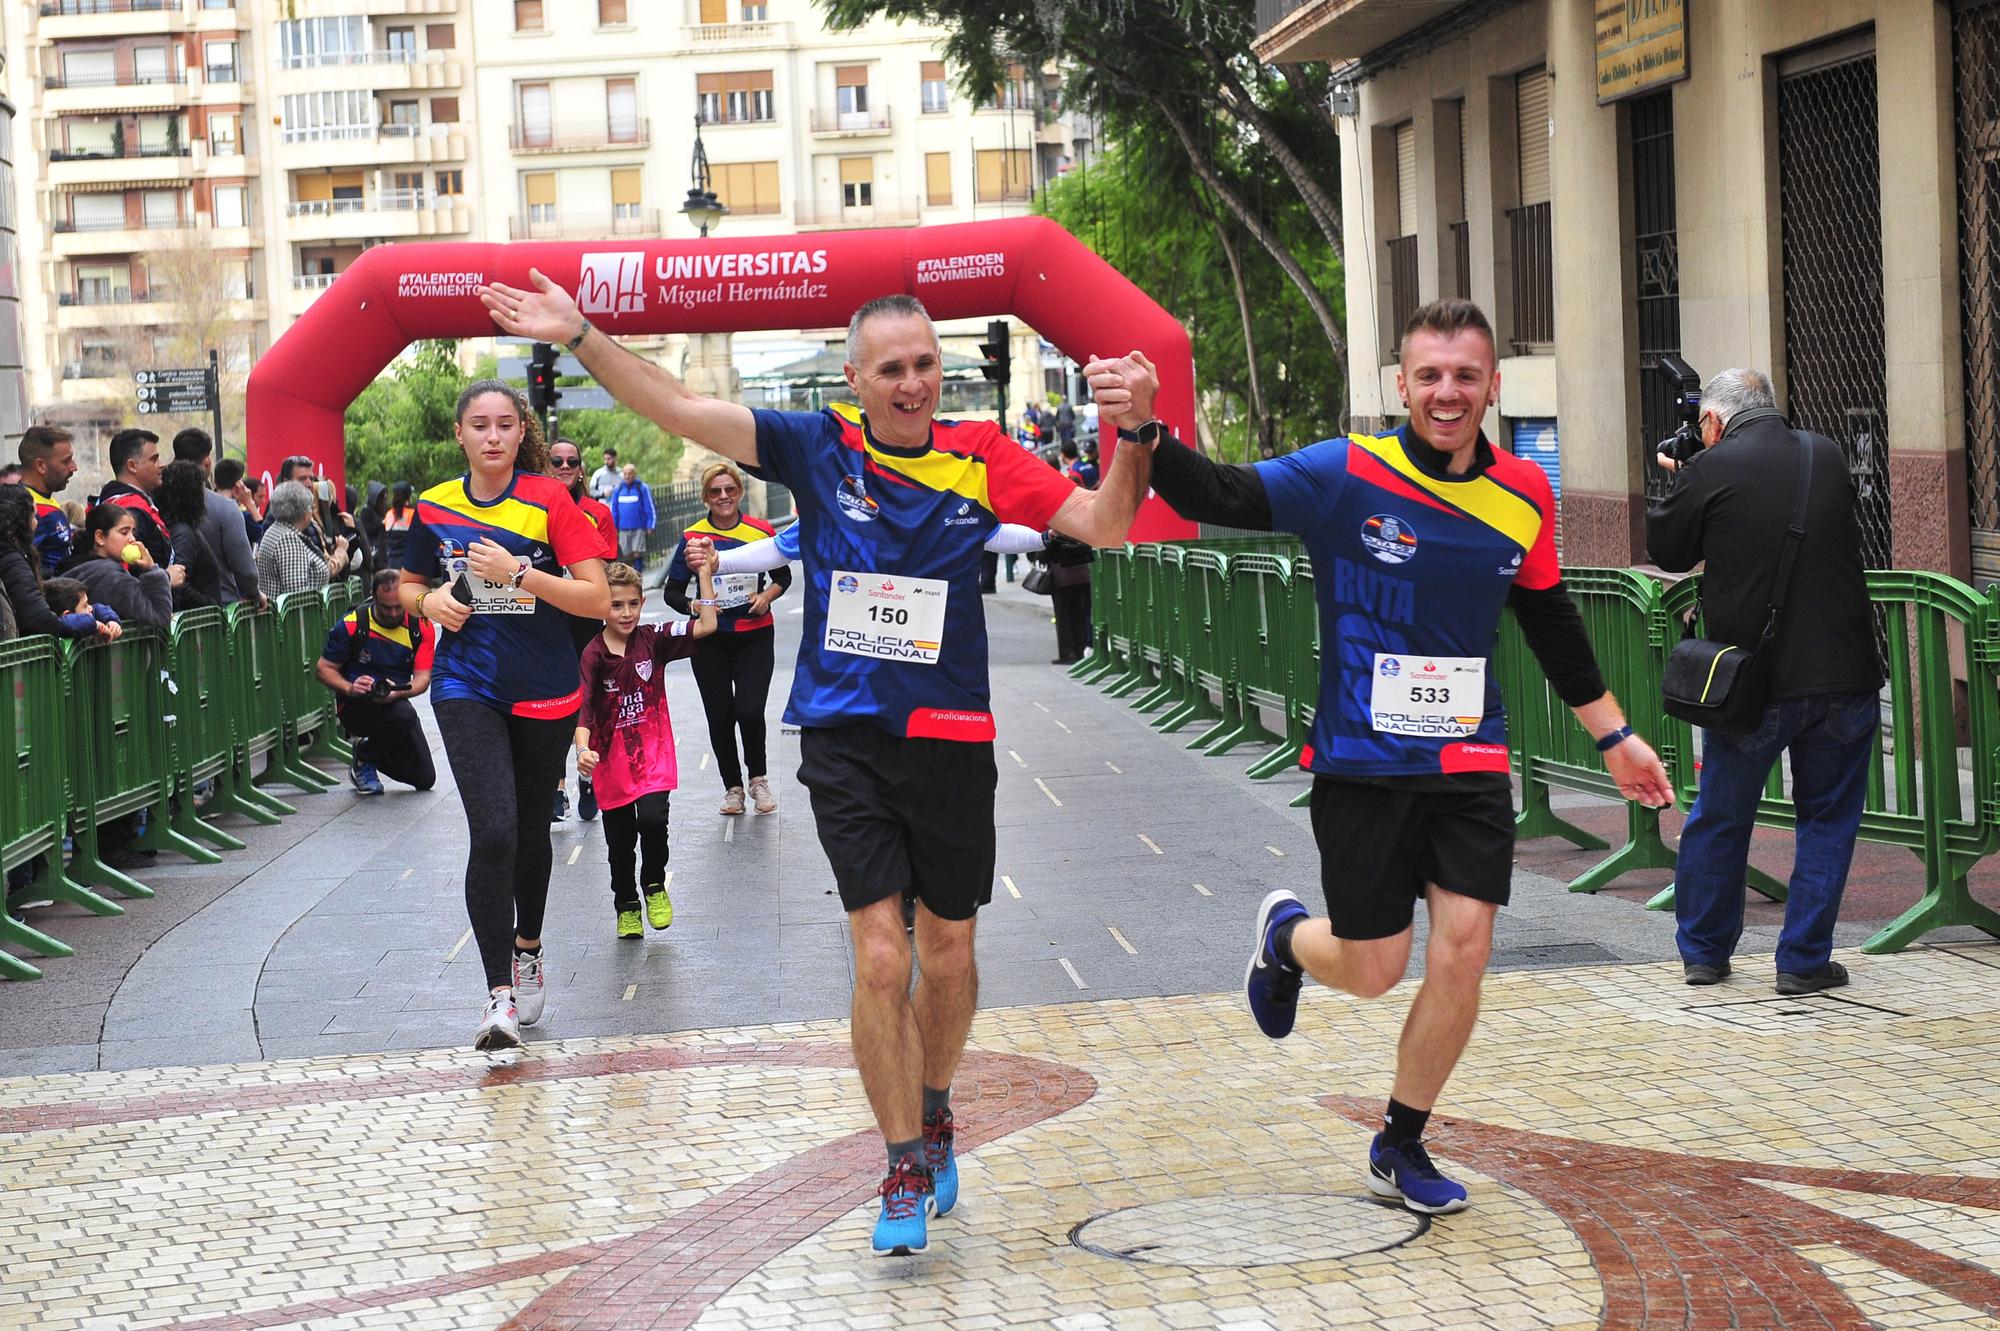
x,y
1732,505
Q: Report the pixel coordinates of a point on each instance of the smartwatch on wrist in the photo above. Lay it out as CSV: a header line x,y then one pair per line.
x,y
1152,432
1606,743
581,334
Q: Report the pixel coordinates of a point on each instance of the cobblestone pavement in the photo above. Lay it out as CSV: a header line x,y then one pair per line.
x,y
248,1103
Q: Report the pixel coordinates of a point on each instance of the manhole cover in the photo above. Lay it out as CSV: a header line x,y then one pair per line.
x,y
1235,1230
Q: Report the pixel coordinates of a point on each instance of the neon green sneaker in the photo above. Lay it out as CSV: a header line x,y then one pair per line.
x,y
659,908
630,925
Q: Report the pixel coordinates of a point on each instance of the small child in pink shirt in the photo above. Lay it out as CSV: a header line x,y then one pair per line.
x,y
625,738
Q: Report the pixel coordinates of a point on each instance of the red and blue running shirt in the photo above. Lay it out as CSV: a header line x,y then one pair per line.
x,y
734,590
868,514
1409,563
520,663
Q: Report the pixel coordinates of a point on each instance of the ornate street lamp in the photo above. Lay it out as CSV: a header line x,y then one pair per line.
x,y
702,207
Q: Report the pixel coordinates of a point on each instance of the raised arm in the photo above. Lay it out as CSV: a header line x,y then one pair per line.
x,y
548,314
1124,390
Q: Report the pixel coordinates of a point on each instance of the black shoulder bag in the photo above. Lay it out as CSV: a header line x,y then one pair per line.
x,y
1722,687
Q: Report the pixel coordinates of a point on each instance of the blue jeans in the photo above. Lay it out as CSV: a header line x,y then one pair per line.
x,y
1830,737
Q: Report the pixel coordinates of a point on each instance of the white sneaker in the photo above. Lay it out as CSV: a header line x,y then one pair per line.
x,y
501,1027
529,989
760,793
732,801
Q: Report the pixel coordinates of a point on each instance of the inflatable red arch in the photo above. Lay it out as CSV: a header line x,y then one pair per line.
x,y
394,295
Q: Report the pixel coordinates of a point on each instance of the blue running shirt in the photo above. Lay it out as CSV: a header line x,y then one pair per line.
x,y
519,663
867,509
1409,564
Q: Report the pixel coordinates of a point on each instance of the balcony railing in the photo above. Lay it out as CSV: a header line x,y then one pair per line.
x,y
580,138
388,200
313,281
875,121
64,224
736,34
130,150
1533,249
68,8
1402,286
585,226
327,133
333,59
883,212
111,296
58,81
88,369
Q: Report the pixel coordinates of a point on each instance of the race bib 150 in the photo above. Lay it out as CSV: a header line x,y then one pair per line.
x,y
884,617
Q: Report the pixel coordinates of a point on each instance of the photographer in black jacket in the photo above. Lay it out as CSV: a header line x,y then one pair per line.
x,y
1731,505
376,659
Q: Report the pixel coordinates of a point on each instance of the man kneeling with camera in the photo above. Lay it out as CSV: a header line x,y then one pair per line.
x,y
376,660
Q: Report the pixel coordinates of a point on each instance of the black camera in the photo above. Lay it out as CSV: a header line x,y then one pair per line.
x,y
1685,442
380,690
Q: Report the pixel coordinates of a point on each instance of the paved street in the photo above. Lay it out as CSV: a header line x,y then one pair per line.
x,y
249,1102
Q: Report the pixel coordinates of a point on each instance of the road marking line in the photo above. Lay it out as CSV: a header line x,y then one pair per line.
x,y
1114,767
729,830
1039,705
1065,729
1275,851
703,765
1121,940
630,990
1050,793
574,854
463,939
1151,844
1204,891
1016,757
406,873
1072,972
1012,890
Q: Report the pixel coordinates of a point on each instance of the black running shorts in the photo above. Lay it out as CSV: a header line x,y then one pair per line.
x,y
898,815
1380,844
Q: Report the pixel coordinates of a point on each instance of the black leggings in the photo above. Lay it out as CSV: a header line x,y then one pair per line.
x,y
396,748
641,824
505,767
733,672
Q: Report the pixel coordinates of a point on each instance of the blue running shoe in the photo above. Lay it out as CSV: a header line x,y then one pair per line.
x,y
907,1200
362,776
1271,985
941,1159
1405,1172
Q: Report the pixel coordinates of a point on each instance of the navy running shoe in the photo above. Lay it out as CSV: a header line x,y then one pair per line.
x,y
1271,985
907,1200
941,1159
586,800
1406,1173
362,776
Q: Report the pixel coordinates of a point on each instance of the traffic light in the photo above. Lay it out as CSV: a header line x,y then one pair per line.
x,y
542,390
996,366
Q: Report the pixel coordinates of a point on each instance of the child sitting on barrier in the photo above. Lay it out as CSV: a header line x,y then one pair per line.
x,y
69,602
625,735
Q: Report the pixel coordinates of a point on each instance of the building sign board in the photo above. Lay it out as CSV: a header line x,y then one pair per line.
x,y
1641,45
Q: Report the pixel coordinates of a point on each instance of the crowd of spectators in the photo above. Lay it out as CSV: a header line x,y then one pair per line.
x,y
172,531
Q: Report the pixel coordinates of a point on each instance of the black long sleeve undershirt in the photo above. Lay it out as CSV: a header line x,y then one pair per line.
x,y
1203,490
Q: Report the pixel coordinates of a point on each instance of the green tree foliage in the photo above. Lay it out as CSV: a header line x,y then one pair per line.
x,y
400,427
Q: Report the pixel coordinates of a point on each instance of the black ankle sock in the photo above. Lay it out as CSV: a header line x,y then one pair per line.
x,y
1404,1124
897,1150
1281,941
534,951
936,1102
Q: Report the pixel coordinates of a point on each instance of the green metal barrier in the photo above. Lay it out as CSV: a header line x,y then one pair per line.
x,y
1107,574
1914,797
201,741
305,704
260,712
34,798
1143,651
1159,573
1259,608
338,599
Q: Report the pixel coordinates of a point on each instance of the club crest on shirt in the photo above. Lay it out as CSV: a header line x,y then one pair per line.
x,y
644,669
854,500
1389,538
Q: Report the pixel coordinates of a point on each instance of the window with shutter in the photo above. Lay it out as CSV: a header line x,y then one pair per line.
x,y
539,189
610,12
441,36
1406,178
1001,174
715,11
625,193
621,99
936,91
747,188
857,182
1531,126
537,131
527,15
937,179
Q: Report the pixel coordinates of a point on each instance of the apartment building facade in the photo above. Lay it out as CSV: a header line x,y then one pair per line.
x,y
1810,187
13,377
201,171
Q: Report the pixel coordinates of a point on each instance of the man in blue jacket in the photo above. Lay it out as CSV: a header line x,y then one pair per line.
x,y
632,511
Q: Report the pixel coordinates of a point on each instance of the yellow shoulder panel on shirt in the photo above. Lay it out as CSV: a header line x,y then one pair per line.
x,y
742,531
935,470
1489,502
511,514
